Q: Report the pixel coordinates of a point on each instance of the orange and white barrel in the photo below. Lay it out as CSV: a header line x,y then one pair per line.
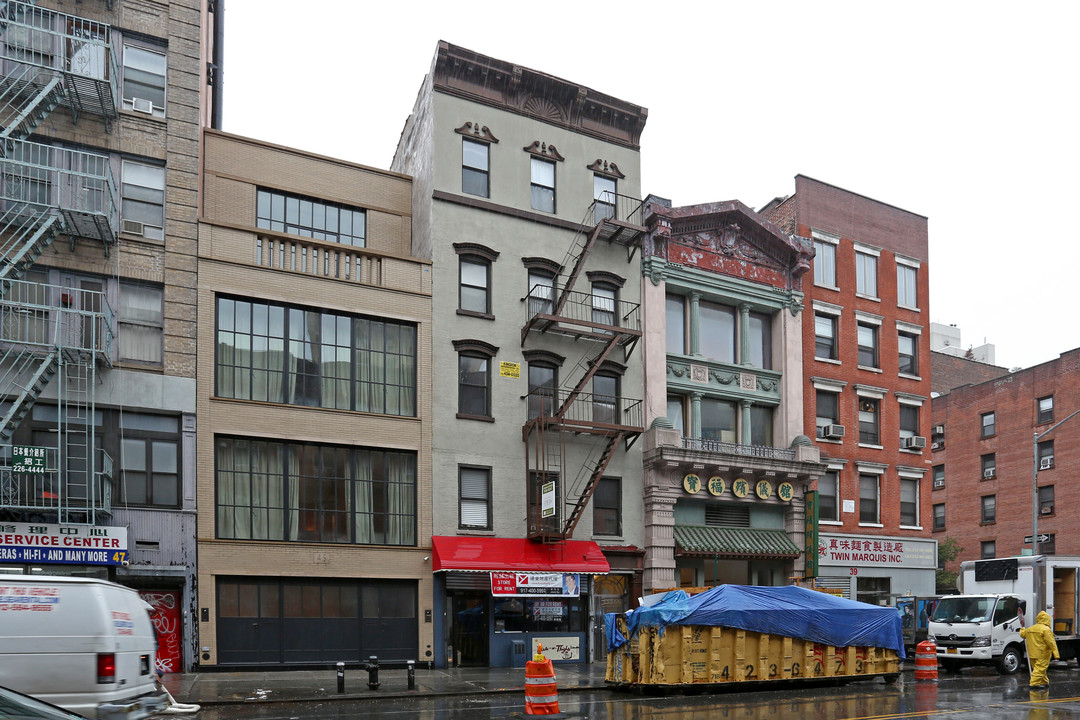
x,y
926,661
541,693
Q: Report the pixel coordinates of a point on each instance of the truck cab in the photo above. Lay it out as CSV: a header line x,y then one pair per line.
x,y
979,629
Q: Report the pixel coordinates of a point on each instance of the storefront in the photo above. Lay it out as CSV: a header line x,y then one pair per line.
x,y
498,599
876,569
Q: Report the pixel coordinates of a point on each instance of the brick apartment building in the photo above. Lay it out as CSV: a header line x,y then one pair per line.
x,y
866,363
986,464
102,104
314,462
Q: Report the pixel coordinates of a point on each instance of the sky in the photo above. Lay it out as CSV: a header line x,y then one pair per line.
x,y
963,112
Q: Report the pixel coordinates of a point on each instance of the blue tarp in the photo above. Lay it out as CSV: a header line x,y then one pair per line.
x,y
790,610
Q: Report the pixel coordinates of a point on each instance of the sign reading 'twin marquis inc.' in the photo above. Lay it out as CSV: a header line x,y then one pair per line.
x,y
876,551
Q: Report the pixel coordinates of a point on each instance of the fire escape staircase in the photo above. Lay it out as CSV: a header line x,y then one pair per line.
x,y
615,421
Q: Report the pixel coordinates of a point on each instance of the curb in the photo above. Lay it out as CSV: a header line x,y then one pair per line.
x,y
374,695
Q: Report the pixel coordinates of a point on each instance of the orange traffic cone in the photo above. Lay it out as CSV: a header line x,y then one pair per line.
x,y
541,694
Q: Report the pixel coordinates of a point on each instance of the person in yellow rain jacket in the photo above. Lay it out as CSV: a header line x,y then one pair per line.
x,y
1041,646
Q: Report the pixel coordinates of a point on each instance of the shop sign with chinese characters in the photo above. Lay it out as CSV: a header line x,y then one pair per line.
x,y
740,487
874,551
68,544
505,584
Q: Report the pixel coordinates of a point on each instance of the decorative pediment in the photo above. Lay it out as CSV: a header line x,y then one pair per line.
x,y
543,108
543,150
603,167
729,240
477,132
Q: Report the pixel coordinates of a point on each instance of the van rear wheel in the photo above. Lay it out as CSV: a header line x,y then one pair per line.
x,y
1009,662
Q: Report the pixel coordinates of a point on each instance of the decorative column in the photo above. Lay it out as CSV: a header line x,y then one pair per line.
x,y
746,434
744,333
695,324
695,415
659,537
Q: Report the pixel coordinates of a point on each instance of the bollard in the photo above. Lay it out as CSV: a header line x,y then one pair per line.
x,y
926,661
373,672
412,673
341,677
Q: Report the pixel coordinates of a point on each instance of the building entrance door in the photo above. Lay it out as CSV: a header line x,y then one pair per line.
x,y
469,627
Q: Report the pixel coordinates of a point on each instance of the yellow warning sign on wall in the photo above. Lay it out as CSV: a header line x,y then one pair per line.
x,y
509,369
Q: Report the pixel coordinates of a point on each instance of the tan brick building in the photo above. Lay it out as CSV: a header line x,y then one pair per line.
x,y
102,104
314,472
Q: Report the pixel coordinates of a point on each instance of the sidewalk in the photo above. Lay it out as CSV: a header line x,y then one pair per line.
x,y
218,688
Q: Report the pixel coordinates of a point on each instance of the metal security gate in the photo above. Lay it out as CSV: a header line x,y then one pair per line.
x,y
268,621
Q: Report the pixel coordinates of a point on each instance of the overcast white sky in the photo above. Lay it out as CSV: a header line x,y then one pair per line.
x,y
963,112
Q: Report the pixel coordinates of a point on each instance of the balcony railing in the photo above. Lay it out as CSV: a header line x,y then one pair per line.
x,y
586,409
38,317
585,309
613,206
77,50
46,491
765,452
79,184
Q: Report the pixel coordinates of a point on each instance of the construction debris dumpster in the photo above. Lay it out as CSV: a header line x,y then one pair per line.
x,y
746,634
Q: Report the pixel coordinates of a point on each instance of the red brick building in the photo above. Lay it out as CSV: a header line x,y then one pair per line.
x,y
987,463
866,366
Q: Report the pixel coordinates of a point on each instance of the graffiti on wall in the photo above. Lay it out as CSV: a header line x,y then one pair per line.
x,y
166,619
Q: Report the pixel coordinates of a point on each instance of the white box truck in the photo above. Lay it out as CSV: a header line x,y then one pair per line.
x,y
81,643
982,625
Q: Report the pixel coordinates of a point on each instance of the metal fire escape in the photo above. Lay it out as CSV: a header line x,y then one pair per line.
x,y
557,414
51,334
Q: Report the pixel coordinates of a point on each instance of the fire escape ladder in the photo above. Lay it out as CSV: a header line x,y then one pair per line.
x,y
589,366
575,260
25,375
25,231
77,435
25,102
598,471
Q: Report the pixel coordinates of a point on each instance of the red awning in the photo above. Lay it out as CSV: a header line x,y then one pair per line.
x,y
485,554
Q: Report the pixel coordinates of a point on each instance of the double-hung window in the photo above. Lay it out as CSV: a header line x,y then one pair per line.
x,y
909,421
869,495
542,185
939,516
604,195
866,274
868,344
605,400
825,347
908,353
474,384
543,381
828,485
143,199
988,424
825,260
909,502
869,421
989,508
474,509
475,279
150,459
140,323
604,299
607,507
906,285
144,80
1046,410
828,411
474,167
541,292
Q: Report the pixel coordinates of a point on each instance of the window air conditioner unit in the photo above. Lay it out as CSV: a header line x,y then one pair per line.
x,y
915,443
1046,510
988,473
833,432
937,445
938,430
132,227
143,106
1046,463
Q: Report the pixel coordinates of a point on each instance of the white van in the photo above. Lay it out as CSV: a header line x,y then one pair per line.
x,y
81,643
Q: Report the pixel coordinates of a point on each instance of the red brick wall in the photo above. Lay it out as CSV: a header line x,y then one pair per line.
x,y
949,371
1013,399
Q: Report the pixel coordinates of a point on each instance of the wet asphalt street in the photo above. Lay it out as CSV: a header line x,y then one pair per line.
x,y
975,694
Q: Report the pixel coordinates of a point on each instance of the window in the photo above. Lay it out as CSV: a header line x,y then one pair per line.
x,y
906,286
828,410
828,485
144,80
909,422
285,354
140,323
607,507
543,380
939,516
143,199
717,334
1046,454
474,167
718,420
939,477
675,412
310,217
825,337
868,498
825,263
869,433
989,465
603,304
475,279
543,185
761,422
909,502
300,492
989,508
1046,500
604,195
866,274
675,324
474,509
908,345
605,398
541,292
474,384
1046,410
760,345
988,551
149,459
868,345
987,424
